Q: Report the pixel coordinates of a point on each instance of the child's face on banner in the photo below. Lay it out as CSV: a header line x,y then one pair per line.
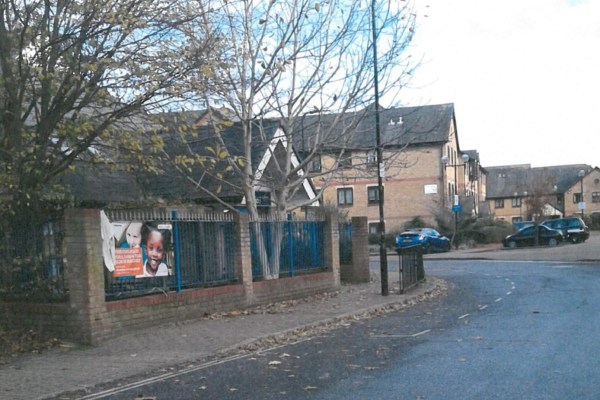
x,y
134,234
154,248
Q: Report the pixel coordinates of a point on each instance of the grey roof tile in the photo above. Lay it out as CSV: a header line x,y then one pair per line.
x,y
504,181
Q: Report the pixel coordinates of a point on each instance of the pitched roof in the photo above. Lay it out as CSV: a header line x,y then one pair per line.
x,y
505,181
203,141
99,184
356,130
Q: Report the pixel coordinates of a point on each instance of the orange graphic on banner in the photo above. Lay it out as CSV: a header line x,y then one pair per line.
x,y
128,262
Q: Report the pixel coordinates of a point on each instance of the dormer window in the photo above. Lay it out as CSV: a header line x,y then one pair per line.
x,y
314,165
371,157
345,160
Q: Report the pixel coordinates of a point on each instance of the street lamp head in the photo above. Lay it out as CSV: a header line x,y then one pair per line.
x,y
581,173
465,158
445,160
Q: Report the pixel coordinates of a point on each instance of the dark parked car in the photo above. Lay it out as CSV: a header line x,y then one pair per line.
x,y
522,224
573,229
429,239
526,237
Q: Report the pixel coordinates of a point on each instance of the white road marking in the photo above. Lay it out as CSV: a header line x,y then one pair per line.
x,y
169,375
402,336
508,293
422,333
483,307
498,299
463,316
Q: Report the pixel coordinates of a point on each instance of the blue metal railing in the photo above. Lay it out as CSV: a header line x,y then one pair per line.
x,y
345,238
301,245
31,260
201,254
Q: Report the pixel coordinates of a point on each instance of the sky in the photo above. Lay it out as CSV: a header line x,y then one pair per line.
x,y
524,77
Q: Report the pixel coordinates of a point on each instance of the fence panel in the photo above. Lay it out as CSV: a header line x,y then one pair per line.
x,y
201,253
301,245
345,234
206,252
31,260
411,267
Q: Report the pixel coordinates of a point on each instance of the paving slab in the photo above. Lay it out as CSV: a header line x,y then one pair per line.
x,y
69,368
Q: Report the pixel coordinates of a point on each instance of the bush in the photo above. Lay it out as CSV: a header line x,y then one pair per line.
x,y
390,238
416,222
486,230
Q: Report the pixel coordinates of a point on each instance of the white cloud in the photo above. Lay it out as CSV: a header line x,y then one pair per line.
x,y
524,76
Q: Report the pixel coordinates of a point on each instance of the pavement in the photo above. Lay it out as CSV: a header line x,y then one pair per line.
x,y
589,251
74,372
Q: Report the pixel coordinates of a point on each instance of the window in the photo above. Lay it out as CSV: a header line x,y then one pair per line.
x,y
595,197
577,198
371,157
373,228
528,231
517,219
314,165
345,160
263,198
499,203
516,202
345,197
373,194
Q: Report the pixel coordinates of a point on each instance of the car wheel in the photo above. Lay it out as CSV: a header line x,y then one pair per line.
x,y
574,239
426,248
552,242
512,244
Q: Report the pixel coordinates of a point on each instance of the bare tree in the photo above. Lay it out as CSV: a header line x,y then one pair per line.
x,y
287,60
540,194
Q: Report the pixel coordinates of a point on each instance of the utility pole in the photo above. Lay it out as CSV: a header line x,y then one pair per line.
x,y
380,166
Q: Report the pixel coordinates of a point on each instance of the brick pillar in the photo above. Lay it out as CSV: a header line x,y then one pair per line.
x,y
332,247
243,256
359,271
84,273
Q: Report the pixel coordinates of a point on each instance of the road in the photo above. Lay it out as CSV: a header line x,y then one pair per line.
x,y
505,329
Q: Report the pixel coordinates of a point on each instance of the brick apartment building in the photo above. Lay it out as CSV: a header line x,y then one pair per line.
x,y
424,166
512,188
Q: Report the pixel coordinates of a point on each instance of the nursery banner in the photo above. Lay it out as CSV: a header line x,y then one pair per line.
x,y
140,249
128,262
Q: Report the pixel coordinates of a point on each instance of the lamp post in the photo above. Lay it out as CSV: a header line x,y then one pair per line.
x,y
456,204
516,196
581,174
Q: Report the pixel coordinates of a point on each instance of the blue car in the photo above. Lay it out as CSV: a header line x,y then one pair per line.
x,y
429,239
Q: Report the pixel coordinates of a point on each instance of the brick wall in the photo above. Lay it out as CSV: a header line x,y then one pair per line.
x,y
293,288
404,187
358,271
49,319
591,184
87,318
